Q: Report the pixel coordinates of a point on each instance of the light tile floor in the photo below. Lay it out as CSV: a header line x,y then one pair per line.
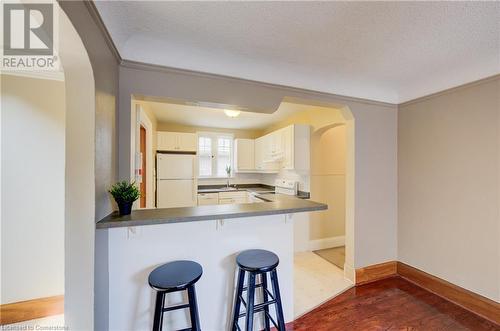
x,y
55,322
315,281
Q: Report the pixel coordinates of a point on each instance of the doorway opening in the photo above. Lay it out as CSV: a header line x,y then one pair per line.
x,y
144,151
48,128
324,241
33,192
142,143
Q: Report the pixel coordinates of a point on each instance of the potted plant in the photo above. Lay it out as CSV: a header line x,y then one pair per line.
x,y
125,194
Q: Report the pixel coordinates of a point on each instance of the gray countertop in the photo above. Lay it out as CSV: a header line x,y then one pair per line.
x,y
273,204
252,188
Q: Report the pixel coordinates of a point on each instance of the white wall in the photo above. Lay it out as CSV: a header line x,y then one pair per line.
x,y
33,162
80,183
328,168
449,190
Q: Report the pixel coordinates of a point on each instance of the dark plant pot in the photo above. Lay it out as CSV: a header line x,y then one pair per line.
x,y
125,207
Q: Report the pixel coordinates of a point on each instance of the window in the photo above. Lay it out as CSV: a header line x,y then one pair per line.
x,y
205,156
215,153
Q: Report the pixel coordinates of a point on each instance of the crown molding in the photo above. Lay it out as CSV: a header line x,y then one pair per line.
x,y
48,75
451,90
94,13
160,68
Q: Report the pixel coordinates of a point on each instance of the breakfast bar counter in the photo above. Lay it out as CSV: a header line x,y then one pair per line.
x,y
272,204
210,235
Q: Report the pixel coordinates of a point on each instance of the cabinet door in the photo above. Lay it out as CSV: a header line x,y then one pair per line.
x,y
259,153
208,199
229,201
270,147
245,154
187,142
276,140
166,141
226,201
288,147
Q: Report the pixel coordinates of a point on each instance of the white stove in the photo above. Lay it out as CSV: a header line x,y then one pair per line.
x,y
285,186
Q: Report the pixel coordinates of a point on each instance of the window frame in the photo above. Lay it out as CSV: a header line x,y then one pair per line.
x,y
214,137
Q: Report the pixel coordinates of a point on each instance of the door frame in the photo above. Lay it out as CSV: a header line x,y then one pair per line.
x,y
144,121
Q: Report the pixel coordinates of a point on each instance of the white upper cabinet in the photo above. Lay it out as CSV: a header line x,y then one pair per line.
x,y
244,150
176,141
166,141
259,154
287,148
187,142
271,151
296,147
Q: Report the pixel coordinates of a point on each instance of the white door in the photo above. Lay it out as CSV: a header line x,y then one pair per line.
x,y
176,193
175,166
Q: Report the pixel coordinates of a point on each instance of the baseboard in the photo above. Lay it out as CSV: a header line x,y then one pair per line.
x,y
31,309
324,243
350,273
471,301
376,272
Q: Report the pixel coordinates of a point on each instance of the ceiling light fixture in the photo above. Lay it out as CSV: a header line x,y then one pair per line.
x,y
232,113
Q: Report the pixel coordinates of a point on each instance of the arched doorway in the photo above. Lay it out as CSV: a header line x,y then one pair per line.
x,y
80,180
69,133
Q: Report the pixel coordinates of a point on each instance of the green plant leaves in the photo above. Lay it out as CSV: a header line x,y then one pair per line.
x,y
125,191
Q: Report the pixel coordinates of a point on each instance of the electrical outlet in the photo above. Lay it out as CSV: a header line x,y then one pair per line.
x,y
133,232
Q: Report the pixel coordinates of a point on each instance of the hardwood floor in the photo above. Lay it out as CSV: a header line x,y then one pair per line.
x,y
390,304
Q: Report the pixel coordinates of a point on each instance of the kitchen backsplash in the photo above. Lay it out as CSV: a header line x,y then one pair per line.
x,y
268,179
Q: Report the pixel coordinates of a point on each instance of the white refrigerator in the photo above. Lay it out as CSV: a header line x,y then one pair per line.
x,y
176,184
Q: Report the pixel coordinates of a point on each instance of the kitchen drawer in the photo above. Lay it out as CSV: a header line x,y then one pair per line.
x,y
205,202
208,199
233,195
226,201
208,195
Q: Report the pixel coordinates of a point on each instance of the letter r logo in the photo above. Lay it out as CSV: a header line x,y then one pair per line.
x,y
28,29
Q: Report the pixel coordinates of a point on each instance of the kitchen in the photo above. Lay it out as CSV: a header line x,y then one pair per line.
x,y
246,173
271,156
184,161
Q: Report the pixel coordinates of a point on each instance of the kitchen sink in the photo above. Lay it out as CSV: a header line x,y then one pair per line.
x,y
229,189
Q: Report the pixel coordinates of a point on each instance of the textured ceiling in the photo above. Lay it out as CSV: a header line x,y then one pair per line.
x,y
386,51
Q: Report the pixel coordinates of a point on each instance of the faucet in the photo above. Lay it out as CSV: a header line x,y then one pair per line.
x,y
228,172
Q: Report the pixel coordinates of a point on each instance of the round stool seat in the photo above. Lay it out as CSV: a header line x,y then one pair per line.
x,y
257,260
175,276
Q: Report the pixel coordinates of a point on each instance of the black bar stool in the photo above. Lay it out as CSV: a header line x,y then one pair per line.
x,y
257,262
172,277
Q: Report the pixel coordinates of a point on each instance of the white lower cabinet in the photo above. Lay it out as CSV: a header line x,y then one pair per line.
x,y
208,199
233,197
228,201
223,198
